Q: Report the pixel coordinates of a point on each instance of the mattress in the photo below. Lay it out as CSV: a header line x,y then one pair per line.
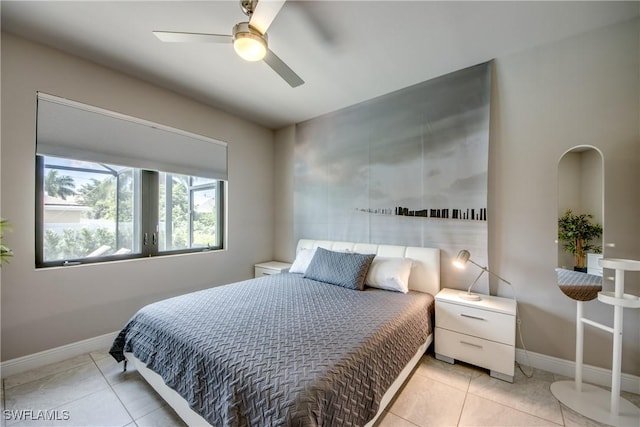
x,y
280,350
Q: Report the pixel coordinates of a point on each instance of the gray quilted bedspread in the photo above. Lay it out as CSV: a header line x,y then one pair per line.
x,y
579,286
280,350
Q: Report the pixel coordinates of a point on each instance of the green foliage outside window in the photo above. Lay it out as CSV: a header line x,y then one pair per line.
x,y
203,224
57,185
100,196
79,243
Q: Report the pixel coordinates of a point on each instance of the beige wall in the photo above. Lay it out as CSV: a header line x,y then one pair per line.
x,y
580,91
592,197
284,248
46,308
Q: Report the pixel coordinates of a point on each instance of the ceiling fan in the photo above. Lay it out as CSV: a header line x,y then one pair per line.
x,y
249,38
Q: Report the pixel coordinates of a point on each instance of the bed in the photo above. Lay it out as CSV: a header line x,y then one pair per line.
x,y
287,349
578,285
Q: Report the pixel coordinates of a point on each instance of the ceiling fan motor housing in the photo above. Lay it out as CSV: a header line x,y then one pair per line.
x,y
248,42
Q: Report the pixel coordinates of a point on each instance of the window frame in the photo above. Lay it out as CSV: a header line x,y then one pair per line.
x,y
148,226
191,189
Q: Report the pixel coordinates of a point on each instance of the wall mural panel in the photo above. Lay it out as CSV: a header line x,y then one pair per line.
x,y
406,168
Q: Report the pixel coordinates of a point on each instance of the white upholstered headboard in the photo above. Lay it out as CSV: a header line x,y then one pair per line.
x,y
425,271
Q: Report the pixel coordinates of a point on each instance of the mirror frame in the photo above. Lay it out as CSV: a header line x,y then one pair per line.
x,y
581,286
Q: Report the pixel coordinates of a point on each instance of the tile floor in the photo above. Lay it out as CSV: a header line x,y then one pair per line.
x,y
95,392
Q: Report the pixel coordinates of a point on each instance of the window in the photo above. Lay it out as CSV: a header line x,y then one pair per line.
x,y
188,212
90,209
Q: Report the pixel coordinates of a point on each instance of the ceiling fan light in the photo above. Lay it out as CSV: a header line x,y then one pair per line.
x,y
249,46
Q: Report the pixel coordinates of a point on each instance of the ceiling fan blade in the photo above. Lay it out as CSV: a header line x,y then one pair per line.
x,y
179,37
265,13
282,69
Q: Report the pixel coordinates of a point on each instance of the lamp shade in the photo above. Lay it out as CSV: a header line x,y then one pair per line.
x,y
248,43
462,258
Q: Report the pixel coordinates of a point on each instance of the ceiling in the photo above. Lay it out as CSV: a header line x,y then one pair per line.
x,y
346,51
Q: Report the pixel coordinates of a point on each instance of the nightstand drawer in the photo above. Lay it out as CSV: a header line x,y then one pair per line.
x,y
474,321
269,268
260,271
488,354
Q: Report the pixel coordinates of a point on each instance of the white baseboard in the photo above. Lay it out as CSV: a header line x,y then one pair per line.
x,y
567,368
58,354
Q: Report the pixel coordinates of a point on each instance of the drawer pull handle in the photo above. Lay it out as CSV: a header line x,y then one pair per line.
x,y
471,317
471,344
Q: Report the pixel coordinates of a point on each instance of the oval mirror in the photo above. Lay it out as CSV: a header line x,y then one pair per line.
x,y
580,219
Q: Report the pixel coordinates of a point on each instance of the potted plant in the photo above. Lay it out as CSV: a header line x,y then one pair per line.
x,y
577,231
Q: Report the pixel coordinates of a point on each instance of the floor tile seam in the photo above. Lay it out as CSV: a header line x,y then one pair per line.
x,y
418,374
111,386
80,398
447,383
62,405
524,412
564,421
536,384
95,390
133,420
477,389
164,405
50,375
113,381
423,375
403,418
471,371
468,386
517,409
443,383
464,402
564,408
102,358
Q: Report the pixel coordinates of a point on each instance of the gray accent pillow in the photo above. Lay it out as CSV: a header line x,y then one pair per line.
x,y
346,269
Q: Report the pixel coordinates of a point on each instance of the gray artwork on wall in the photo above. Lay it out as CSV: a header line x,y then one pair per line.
x,y
406,168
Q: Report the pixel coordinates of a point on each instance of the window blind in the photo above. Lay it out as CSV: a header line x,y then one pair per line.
x,y
73,130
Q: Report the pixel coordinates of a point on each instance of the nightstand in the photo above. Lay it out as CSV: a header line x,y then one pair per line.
x,y
270,267
482,333
592,264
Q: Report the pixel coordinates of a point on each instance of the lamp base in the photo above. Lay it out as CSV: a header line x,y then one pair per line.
x,y
469,296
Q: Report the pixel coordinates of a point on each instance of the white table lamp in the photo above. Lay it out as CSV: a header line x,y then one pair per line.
x,y
460,262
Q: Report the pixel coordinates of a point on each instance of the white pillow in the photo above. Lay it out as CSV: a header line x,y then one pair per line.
x,y
302,261
389,273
